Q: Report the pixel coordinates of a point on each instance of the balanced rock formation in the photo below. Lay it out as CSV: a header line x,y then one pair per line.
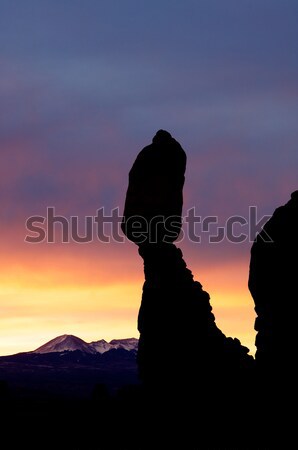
x,y
174,308
197,367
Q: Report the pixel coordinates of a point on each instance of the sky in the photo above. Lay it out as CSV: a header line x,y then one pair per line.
x,y
84,86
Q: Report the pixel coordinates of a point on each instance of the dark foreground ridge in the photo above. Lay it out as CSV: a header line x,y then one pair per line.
x,y
68,394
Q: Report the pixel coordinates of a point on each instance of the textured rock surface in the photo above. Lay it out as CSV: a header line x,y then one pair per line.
x,y
199,380
177,311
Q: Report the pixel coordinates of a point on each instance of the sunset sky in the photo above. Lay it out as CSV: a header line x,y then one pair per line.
x,y
84,86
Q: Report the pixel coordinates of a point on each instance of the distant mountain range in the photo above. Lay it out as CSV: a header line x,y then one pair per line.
x,y
67,365
68,342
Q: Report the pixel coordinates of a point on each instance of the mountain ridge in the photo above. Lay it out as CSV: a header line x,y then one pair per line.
x,y
69,367
69,342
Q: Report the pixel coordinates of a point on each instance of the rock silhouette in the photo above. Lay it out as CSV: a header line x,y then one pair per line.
x,y
273,285
198,364
200,377
176,309
154,199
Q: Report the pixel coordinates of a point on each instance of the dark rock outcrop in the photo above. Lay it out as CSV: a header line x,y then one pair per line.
x,y
199,378
176,310
174,307
153,204
273,285
197,366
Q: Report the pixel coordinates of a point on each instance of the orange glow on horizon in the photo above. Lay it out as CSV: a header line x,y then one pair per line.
x,y
95,298
94,291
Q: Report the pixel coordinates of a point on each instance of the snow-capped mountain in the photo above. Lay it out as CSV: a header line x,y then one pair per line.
x,y
101,346
67,365
68,342
127,344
